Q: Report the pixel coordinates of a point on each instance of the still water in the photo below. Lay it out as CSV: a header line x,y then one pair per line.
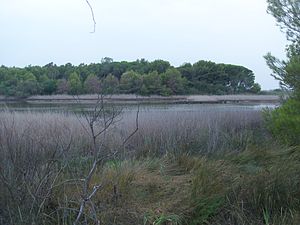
x,y
167,107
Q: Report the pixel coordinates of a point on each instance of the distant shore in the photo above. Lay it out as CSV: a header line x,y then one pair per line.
x,y
188,99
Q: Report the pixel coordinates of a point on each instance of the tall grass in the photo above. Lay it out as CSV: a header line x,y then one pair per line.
x,y
177,165
195,132
160,133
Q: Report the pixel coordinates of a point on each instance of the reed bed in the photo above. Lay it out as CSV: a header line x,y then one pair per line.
x,y
181,167
204,132
163,132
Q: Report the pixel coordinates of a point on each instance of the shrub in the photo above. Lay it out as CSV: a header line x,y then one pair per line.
x,y
284,122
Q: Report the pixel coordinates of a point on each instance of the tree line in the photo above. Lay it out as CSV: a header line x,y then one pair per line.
x,y
142,77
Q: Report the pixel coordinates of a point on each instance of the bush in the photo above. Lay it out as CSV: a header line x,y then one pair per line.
x,y
284,122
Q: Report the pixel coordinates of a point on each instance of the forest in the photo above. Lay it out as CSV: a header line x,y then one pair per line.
x,y
141,77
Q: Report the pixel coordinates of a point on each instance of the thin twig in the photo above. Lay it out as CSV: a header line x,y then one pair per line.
x,y
136,125
93,15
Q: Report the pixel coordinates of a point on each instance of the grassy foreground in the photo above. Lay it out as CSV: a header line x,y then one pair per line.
x,y
212,168
258,186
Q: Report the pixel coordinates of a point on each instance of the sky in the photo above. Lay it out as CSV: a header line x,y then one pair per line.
x,y
240,32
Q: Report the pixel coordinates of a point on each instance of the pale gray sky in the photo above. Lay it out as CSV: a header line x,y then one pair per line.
x,y
239,32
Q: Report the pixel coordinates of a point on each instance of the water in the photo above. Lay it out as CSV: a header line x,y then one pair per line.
x,y
153,108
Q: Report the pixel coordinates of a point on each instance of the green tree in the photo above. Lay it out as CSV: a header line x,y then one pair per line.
x,y
238,79
110,84
284,121
202,77
208,77
9,81
52,71
152,83
187,71
286,13
173,81
75,85
27,85
48,86
159,65
106,66
118,68
131,82
256,88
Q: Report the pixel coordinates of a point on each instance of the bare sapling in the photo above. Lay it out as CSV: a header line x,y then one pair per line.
x,y
98,121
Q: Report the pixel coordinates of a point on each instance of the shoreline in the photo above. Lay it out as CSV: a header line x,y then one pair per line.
x,y
133,99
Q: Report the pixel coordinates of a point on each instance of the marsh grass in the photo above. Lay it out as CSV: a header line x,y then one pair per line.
x,y
205,167
160,133
262,188
196,132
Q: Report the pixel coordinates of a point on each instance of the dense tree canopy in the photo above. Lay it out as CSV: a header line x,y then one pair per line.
x,y
138,77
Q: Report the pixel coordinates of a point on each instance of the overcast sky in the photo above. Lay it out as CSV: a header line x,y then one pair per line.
x,y
238,32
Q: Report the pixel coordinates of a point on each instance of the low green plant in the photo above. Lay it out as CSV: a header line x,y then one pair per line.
x,y
211,182
266,216
160,218
205,209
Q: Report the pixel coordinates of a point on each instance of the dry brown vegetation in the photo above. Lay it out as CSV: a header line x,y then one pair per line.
x,y
205,167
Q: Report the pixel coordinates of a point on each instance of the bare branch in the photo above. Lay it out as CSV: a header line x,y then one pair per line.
x,y
93,16
136,126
